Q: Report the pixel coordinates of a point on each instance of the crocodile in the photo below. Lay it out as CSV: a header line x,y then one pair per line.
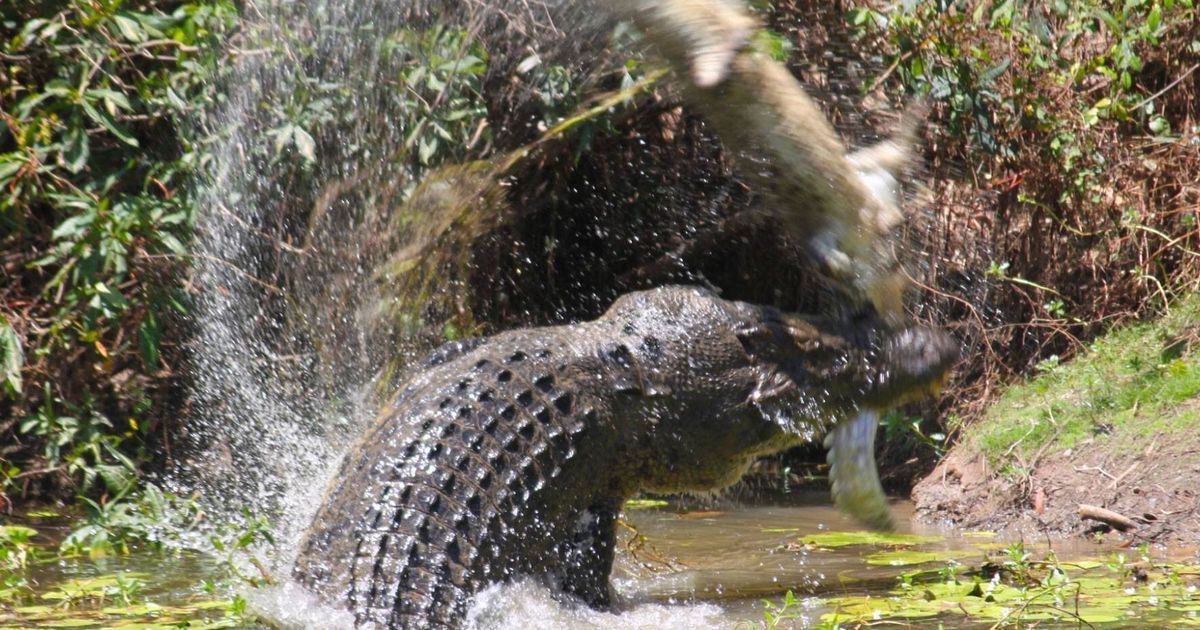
x,y
512,455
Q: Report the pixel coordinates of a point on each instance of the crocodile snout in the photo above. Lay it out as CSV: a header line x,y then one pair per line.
x,y
914,362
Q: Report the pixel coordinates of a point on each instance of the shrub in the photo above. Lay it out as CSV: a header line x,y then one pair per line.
x,y
95,216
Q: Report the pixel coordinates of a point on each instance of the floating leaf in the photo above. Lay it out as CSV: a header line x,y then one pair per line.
x,y
71,623
834,540
908,557
644,504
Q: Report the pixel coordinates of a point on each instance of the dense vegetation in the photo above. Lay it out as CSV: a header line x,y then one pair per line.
x,y
1066,137
1077,120
95,217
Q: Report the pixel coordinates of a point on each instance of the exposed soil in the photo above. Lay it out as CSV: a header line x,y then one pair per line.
x,y
1155,482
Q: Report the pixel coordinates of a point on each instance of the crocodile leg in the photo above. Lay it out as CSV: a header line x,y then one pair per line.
x,y
587,558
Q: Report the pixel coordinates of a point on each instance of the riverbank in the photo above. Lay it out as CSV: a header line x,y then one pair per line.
x,y
1114,428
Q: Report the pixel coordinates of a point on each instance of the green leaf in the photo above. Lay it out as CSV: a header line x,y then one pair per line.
x,y
75,149
426,147
643,504
9,167
1108,19
172,244
834,540
991,74
12,356
117,479
27,105
129,29
73,228
283,137
111,98
1154,20
304,143
149,338
108,123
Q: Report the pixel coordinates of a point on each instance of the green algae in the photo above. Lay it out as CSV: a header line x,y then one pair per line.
x,y
836,540
1012,593
41,589
645,504
909,557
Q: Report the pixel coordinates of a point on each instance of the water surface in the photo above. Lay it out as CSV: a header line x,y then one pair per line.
x,y
681,565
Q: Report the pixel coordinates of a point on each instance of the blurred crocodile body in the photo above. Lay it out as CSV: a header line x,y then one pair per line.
x,y
512,455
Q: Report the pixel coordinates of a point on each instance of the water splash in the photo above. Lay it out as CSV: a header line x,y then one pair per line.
x,y
320,137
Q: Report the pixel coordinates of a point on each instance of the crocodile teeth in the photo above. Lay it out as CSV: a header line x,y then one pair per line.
x,y
852,473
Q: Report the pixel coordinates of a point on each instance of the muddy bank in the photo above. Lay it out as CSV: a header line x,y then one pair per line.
x,y
1114,428
1156,486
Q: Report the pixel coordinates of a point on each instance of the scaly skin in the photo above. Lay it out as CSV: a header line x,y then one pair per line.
x,y
512,455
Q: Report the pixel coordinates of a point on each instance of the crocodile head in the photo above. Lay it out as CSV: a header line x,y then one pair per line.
x,y
723,382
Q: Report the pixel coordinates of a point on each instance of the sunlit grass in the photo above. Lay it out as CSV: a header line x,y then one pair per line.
x,y
1133,383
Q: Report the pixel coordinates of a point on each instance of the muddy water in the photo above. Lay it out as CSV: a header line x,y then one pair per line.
x,y
736,557
680,566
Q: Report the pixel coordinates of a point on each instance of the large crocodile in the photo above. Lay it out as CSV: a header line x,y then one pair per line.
x,y
513,455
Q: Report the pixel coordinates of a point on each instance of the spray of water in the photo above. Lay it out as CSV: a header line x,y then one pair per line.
x,y
324,130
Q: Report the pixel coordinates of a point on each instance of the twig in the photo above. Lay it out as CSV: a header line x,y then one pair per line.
x,y
1093,469
1118,478
1168,87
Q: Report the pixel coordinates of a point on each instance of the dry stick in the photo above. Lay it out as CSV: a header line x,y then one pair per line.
x,y
1117,521
1093,469
1170,85
1118,478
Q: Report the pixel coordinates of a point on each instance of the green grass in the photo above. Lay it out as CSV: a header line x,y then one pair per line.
x,y
1133,383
